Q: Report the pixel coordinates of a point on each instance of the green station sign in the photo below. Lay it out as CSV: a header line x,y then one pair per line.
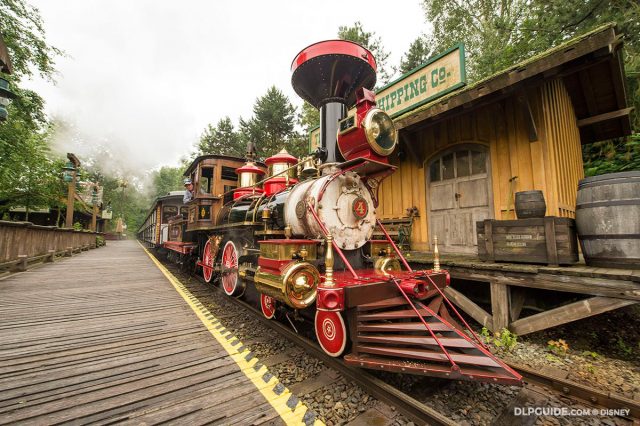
x,y
435,78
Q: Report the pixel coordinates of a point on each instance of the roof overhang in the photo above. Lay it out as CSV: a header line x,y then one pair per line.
x,y
590,66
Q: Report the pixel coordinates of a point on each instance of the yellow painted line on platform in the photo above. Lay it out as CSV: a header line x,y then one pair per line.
x,y
287,405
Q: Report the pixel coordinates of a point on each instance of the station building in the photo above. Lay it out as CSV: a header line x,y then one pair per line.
x,y
465,150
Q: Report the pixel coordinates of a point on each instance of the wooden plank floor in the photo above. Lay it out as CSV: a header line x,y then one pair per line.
x,y
104,338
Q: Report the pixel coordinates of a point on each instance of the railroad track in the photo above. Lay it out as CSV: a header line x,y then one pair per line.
x,y
415,410
409,407
580,391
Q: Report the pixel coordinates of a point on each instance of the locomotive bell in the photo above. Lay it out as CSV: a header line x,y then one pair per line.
x,y
309,168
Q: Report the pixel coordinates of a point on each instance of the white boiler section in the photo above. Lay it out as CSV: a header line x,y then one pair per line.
x,y
346,209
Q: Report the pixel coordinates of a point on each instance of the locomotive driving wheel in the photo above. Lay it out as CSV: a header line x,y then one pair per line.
x,y
231,282
207,261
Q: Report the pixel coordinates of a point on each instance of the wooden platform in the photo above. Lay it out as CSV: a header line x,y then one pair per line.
x,y
104,337
604,289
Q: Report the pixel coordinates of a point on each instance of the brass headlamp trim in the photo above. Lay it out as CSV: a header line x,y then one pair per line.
x,y
367,125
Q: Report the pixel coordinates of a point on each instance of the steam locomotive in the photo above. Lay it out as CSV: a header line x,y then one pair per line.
x,y
296,235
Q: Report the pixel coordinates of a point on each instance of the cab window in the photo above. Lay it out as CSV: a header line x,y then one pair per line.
x,y
168,212
206,180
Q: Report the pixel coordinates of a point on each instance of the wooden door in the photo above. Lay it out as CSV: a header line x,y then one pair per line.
x,y
459,195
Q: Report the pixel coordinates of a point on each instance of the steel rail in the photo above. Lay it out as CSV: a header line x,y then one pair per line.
x,y
411,408
415,410
586,393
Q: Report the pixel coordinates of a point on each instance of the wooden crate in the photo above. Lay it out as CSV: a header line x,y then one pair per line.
x,y
551,240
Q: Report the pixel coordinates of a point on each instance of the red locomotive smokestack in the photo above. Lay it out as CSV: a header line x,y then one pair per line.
x,y
327,75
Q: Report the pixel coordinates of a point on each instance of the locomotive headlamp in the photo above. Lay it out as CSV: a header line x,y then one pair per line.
x,y
367,133
380,132
301,282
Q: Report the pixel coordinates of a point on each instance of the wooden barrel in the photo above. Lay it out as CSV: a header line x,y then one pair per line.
x,y
608,220
530,204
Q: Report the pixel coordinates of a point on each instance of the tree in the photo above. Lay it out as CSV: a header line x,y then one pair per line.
x,y
489,29
417,54
369,40
167,179
272,126
309,117
221,139
33,181
498,34
23,32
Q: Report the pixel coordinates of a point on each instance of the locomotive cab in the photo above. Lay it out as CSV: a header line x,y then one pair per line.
x,y
215,180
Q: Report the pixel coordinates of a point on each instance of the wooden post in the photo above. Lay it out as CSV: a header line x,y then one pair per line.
x,y
94,217
488,236
71,191
516,301
21,266
499,305
550,239
68,252
51,257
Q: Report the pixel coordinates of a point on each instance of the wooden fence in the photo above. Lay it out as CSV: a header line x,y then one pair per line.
x,y
23,242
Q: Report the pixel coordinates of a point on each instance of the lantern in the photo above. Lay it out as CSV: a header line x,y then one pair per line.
x,y
68,172
5,98
94,195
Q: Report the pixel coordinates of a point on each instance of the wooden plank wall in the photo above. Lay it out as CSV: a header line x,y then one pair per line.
x,y
552,163
565,152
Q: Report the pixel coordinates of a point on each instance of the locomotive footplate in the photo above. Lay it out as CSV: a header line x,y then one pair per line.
x,y
411,331
180,247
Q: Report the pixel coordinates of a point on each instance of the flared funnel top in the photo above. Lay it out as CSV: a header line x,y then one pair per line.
x,y
331,71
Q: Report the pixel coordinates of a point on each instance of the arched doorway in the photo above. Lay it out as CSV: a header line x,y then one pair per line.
x,y
459,195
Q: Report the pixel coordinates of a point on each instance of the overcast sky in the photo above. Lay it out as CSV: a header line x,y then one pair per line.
x,y
146,77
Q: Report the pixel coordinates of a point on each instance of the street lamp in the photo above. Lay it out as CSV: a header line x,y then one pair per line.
x,y
5,94
5,98
68,172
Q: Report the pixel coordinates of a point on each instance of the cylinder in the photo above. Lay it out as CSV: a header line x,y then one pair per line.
x,y
608,220
530,204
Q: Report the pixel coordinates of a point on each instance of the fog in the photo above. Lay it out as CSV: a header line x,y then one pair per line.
x,y
142,79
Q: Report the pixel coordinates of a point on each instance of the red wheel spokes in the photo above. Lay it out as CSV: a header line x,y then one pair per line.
x,y
230,264
207,259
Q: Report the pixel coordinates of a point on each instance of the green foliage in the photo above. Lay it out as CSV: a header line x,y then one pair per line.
x,y
618,155
503,339
488,28
497,34
272,126
77,226
356,33
221,139
593,355
418,53
309,117
552,358
623,348
23,32
167,179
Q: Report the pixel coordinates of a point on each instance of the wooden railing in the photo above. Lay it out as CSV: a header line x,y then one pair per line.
x,y
22,243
